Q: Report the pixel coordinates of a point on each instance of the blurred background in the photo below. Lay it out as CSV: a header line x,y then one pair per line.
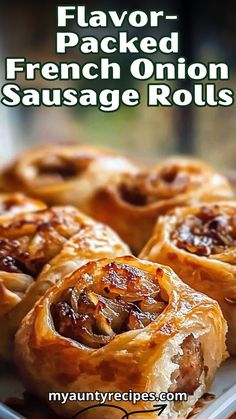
x,y
207,33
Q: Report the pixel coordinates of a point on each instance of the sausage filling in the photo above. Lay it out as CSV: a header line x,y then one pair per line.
x,y
125,298
209,232
191,366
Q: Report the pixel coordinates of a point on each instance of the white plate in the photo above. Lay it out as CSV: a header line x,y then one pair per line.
x,y
224,388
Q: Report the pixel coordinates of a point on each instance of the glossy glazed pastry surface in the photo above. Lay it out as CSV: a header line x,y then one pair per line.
x,y
199,244
121,323
17,203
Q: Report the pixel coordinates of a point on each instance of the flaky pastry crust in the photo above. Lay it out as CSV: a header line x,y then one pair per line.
x,y
199,243
64,174
132,204
36,250
17,203
13,286
119,324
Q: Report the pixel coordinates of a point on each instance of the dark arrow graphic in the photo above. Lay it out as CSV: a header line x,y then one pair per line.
x,y
156,408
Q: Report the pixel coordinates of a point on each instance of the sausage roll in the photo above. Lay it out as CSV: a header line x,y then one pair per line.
x,y
119,324
64,175
16,203
199,243
132,204
36,250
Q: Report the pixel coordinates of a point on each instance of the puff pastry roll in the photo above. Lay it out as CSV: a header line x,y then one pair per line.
x,y
64,175
119,324
199,243
132,205
36,250
16,203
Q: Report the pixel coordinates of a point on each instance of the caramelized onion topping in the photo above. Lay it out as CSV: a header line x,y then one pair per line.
x,y
28,241
146,188
124,298
207,233
59,168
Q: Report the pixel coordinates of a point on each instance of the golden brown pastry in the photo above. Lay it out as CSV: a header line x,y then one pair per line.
x,y
132,204
199,243
61,175
36,250
116,325
16,203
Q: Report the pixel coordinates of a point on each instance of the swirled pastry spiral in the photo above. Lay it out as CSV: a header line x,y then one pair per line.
x,y
199,243
36,250
132,205
119,324
64,175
